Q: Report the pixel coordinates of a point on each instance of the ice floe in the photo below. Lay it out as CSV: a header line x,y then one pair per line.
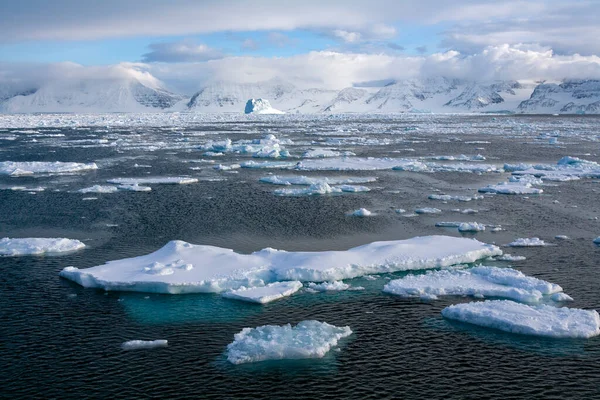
x,y
428,210
167,180
37,246
143,344
567,168
325,153
538,320
265,294
305,180
446,197
471,227
362,212
528,242
478,281
181,267
510,257
308,339
99,189
321,188
18,168
335,286
511,188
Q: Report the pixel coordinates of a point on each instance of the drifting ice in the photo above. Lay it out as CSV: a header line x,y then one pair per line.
x,y
143,344
308,339
41,167
265,294
528,242
36,246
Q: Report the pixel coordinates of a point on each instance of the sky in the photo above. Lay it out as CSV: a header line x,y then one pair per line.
x,y
184,44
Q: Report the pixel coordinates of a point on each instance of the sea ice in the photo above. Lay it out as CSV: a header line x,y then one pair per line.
x,y
325,153
528,242
265,294
305,180
196,268
99,189
168,180
36,246
42,167
511,188
362,212
143,344
319,189
477,281
446,197
308,339
471,227
510,257
329,286
538,320
428,210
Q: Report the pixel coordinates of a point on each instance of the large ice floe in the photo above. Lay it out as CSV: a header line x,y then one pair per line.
x,y
181,267
306,180
308,339
478,281
567,168
38,246
538,320
18,168
265,294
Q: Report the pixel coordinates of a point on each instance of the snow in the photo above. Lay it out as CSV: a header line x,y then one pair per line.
x,y
143,344
305,180
181,267
260,106
362,212
17,168
37,246
265,294
308,339
511,188
537,320
477,281
528,242
169,180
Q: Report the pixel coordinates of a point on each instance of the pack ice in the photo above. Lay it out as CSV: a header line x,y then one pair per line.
x,y
538,320
478,281
308,339
36,246
181,267
17,168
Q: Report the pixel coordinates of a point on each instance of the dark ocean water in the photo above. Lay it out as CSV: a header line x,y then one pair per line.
x,y
59,340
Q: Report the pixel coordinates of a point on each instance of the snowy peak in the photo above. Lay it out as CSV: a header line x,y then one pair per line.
x,y
569,97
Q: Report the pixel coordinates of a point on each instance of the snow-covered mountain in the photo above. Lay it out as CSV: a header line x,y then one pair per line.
x,y
568,97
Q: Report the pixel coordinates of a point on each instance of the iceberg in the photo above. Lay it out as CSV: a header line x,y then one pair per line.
x,y
143,344
17,168
538,320
260,106
37,246
265,294
478,281
181,267
308,339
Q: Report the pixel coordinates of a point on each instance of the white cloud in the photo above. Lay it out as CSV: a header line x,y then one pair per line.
x,y
185,51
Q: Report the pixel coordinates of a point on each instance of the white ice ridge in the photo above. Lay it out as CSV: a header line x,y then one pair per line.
x,y
477,281
181,267
143,344
167,180
538,320
37,246
306,180
17,168
528,242
308,339
265,294
321,188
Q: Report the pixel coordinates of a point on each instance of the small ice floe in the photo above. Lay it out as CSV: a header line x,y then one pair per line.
x,y
511,188
448,224
17,168
362,212
428,210
231,167
465,211
37,246
528,242
320,189
134,188
538,320
308,339
99,189
143,344
446,197
597,240
510,257
461,157
335,286
305,180
471,227
399,210
477,281
23,188
265,294
167,180
561,237
325,153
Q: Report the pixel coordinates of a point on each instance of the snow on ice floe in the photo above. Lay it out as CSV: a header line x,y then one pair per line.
x,y
511,188
308,339
167,180
446,197
528,242
478,281
181,267
305,180
335,286
320,189
37,246
538,320
265,294
143,344
18,168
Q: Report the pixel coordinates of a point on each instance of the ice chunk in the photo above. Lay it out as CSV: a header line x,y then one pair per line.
x,y
428,210
169,180
329,286
16,168
362,212
528,242
305,180
446,197
99,189
217,269
477,281
471,227
567,168
143,344
265,294
511,188
510,257
538,320
597,240
36,246
308,339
